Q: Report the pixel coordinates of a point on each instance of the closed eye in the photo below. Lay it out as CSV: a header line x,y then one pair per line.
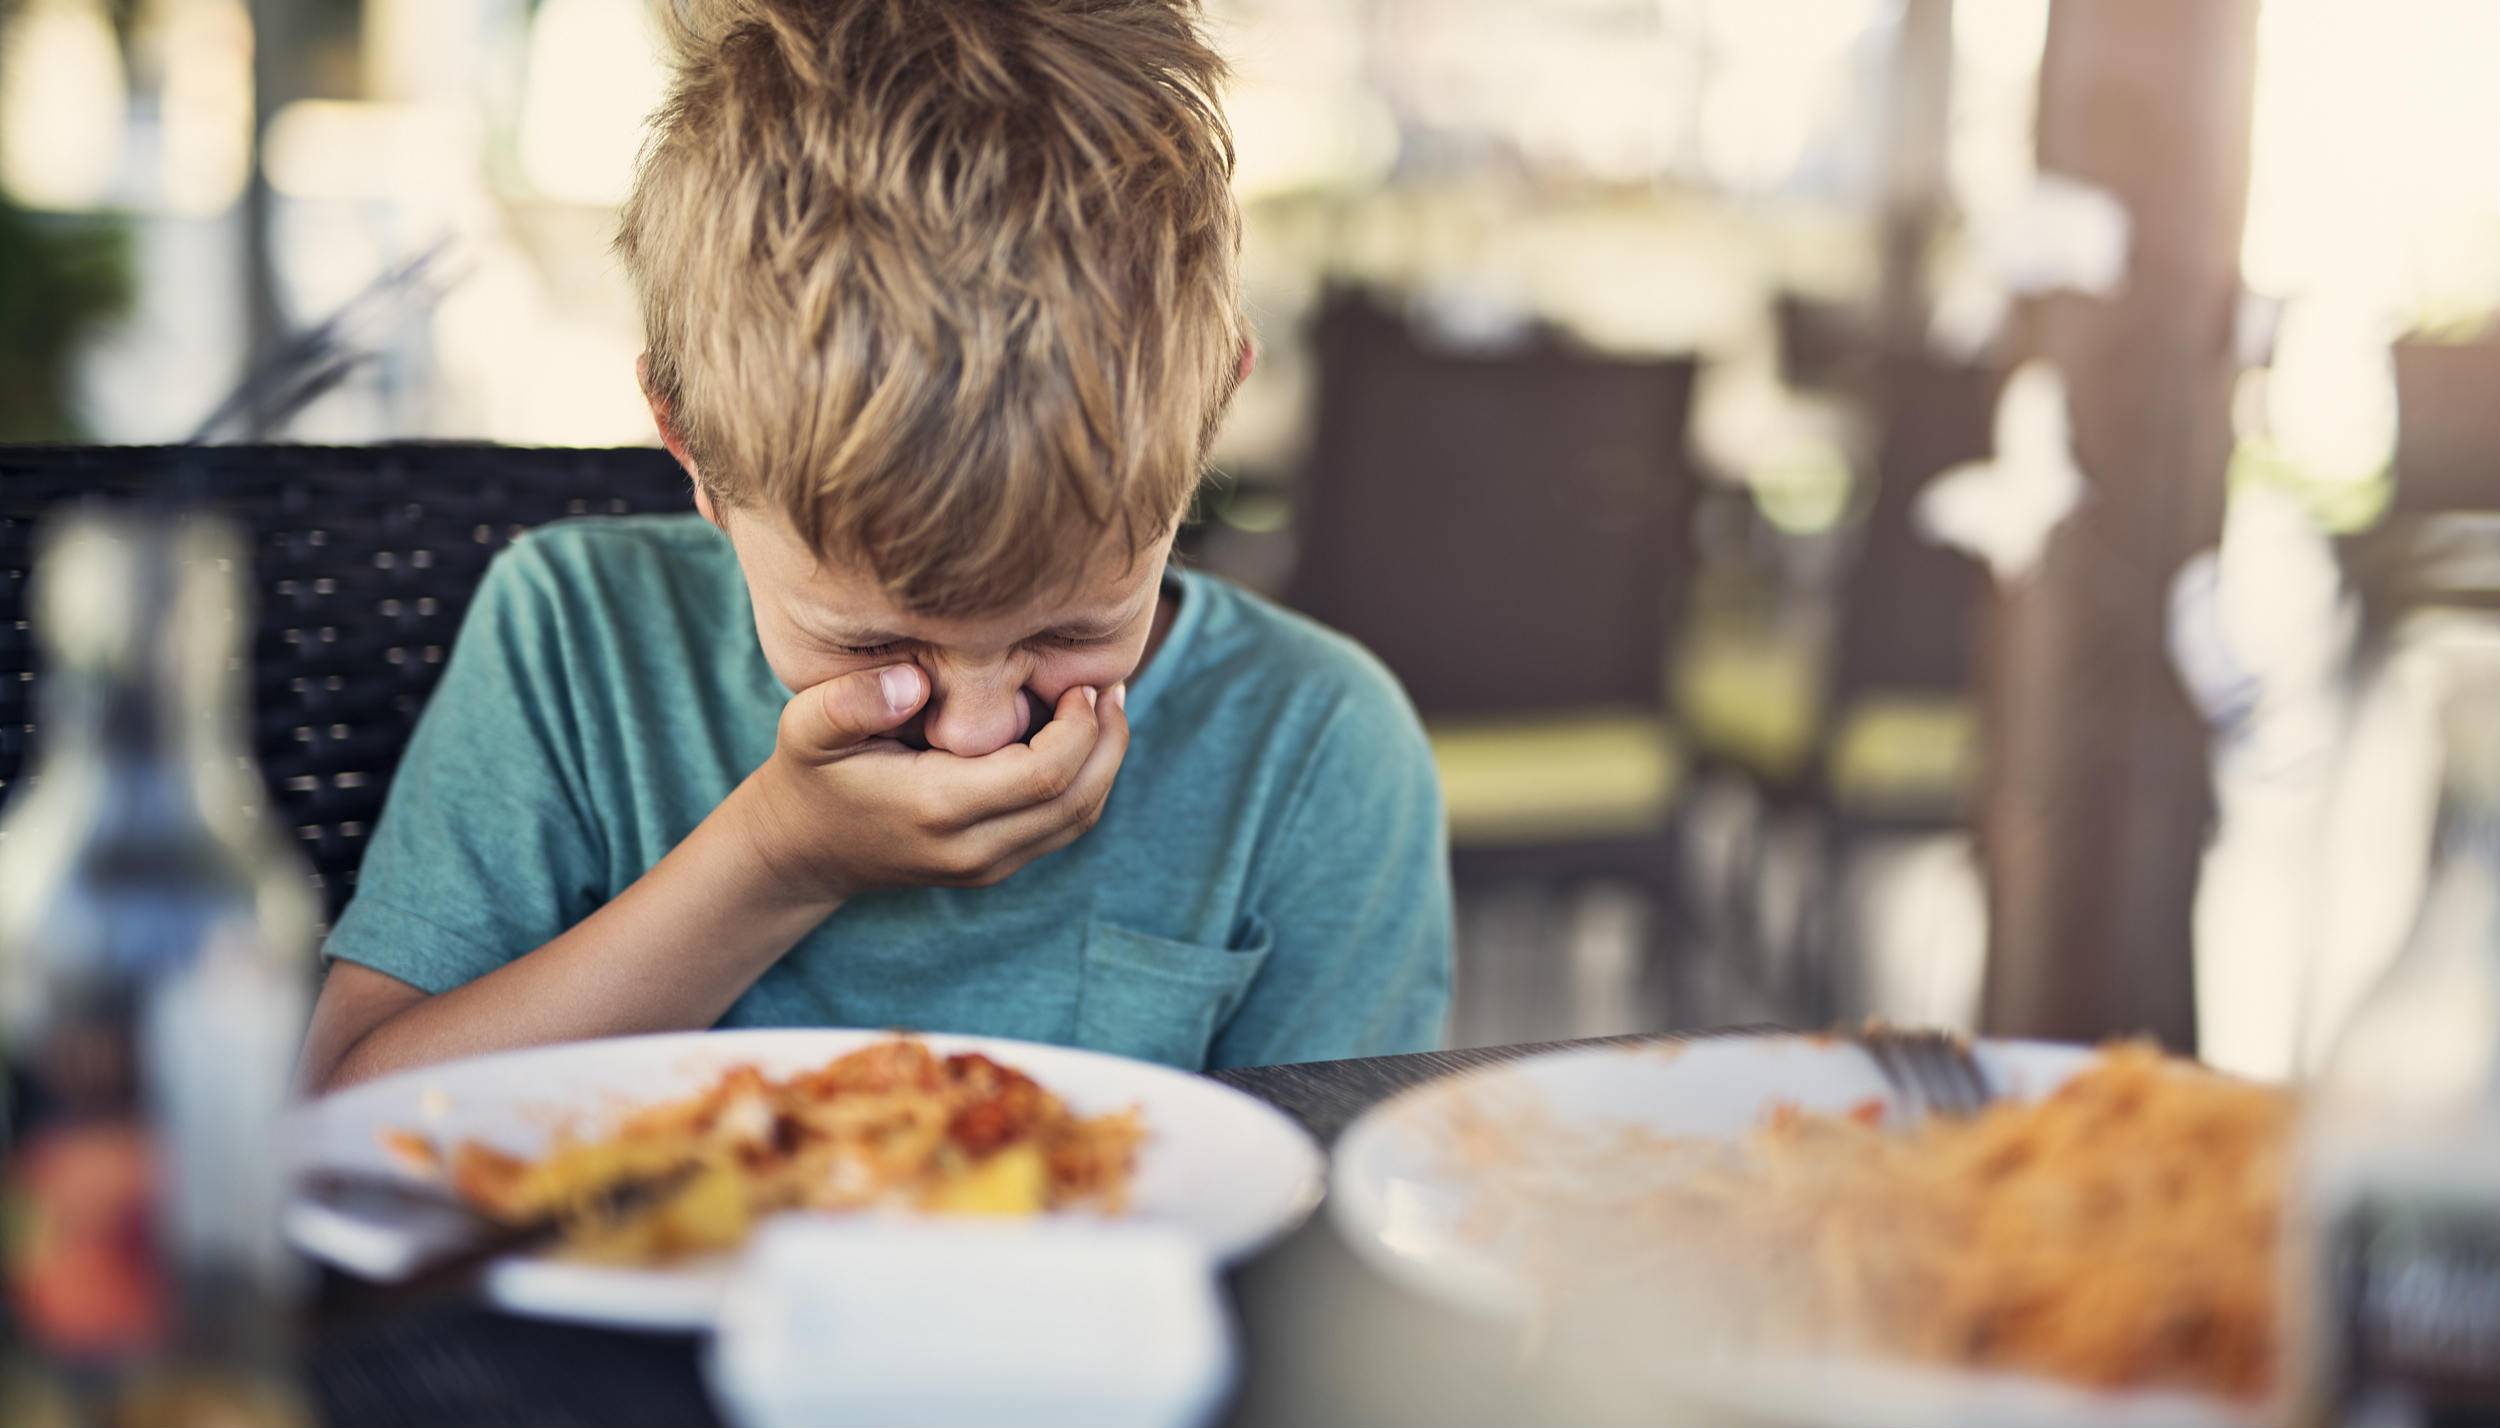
x,y
887,648
1075,641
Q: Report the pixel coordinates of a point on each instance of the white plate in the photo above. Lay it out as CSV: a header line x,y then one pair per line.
x,y
1394,1196
1229,1169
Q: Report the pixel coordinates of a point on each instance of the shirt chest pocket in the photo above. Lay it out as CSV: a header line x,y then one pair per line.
x,y
1161,1000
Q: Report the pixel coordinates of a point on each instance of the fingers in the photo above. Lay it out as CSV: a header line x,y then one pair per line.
x,y
829,718
1069,737
1018,837
1092,784
964,792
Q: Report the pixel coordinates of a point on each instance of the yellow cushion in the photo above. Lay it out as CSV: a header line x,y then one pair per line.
x,y
1903,753
1751,696
1557,778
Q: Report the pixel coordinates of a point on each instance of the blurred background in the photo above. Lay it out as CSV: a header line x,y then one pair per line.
x,y
1888,507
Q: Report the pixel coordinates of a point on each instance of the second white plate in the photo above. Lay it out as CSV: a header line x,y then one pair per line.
x,y
1396,1197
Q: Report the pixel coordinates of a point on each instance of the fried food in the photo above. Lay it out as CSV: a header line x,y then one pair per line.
x,y
890,1126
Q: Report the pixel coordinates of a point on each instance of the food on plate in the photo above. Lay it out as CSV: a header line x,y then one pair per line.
x,y
2120,1232
890,1126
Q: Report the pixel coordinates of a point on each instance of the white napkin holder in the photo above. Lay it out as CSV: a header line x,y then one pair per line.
x,y
949,1322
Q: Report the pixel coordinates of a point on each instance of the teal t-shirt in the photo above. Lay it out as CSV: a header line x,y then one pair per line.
x,y
1269,880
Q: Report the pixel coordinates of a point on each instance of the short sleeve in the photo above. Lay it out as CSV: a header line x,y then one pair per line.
x,y
486,848
1354,892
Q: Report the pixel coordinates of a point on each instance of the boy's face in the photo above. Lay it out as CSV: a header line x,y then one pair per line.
x,y
992,678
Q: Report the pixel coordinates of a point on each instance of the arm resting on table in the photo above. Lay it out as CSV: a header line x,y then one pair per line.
x,y
671,953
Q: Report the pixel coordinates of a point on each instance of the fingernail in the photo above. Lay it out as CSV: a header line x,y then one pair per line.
x,y
1091,694
901,685
1119,696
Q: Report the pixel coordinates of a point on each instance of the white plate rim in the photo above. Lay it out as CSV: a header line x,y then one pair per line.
x,y
686,1297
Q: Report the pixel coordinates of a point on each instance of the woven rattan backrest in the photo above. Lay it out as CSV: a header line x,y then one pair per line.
x,y
365,560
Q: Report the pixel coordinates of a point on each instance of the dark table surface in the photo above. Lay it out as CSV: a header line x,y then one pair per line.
x,y
1324,1340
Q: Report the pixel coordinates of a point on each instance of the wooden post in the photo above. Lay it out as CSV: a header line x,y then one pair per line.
x,y
2098,804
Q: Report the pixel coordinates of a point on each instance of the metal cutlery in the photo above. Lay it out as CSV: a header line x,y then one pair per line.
x,y
1931,1073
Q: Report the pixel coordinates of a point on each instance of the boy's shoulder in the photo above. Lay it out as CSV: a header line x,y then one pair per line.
x,y
580,545
634,588
594,564
1252,655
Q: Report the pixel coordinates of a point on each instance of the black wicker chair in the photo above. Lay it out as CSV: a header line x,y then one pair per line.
x,y
365,560
1511,532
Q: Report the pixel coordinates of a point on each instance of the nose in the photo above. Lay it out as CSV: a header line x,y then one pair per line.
x,y
972,717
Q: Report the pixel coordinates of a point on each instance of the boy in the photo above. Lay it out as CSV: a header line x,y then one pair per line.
x,y
911,724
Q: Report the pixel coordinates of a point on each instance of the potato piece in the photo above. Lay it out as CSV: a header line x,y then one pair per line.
x,y
710,1213
492,1180
1012,1182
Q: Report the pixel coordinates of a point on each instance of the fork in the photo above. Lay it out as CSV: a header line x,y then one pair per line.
x,y
1932,1073
454,1239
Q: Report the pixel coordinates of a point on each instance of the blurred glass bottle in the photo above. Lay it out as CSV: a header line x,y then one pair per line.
x,y
156,941
2395,1258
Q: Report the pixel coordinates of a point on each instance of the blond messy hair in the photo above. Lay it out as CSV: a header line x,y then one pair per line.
x,y
950,283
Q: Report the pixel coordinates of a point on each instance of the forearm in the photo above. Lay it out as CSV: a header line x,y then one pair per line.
x,y
670,953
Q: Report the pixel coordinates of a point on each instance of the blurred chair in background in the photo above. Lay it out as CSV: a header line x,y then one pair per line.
x,y
2443,521
1509,530
2447,426
1900,768
364,562
1846,884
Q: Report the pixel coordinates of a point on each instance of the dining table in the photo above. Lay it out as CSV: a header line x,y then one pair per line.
x,y
1323,1338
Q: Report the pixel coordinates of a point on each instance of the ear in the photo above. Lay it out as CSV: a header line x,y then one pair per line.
x,y
665,419
1249,359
